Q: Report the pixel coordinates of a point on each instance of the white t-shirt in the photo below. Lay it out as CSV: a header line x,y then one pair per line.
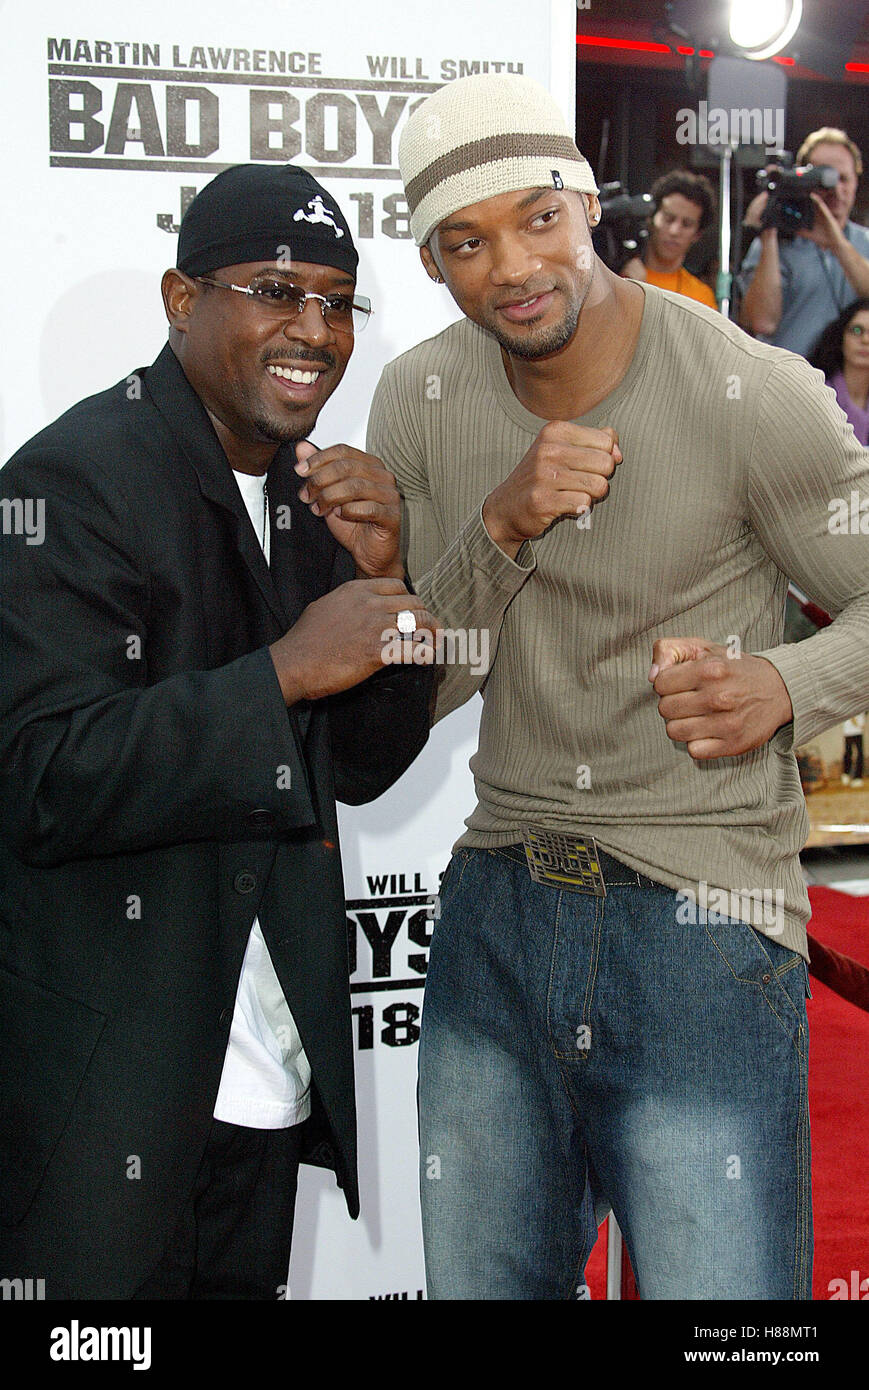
x,y
266,1079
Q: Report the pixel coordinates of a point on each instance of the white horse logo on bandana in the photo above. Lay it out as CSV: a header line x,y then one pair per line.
x,y
319,213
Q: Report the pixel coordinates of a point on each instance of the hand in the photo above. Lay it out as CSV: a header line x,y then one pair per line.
x,y
826,232
755,210
719,705
563,474
358,498
339,639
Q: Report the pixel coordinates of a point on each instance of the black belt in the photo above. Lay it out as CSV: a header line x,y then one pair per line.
x,y
573,862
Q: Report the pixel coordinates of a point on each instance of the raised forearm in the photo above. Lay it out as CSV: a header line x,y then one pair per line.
x,y
855,266
827,675
762,305
474,580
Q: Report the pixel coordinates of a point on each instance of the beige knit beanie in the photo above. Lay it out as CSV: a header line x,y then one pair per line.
x,y
481,136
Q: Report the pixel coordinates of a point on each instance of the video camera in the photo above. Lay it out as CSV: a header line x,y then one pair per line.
x,y
789,207
622,231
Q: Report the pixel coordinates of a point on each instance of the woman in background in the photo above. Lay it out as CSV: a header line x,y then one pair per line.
x,y
842,354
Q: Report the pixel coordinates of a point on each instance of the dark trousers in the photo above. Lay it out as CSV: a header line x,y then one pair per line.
x,y
852,762
233,1236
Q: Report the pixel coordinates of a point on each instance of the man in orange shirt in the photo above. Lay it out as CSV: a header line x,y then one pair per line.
x,y
684,207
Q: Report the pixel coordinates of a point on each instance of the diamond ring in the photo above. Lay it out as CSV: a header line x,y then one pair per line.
x,y
406,622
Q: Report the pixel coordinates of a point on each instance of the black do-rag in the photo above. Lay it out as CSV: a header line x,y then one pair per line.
x,y
262,212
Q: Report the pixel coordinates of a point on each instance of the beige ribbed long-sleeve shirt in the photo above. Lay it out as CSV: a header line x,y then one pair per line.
x,y
734,455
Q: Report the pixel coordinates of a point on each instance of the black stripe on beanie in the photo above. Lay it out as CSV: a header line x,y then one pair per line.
x,y
488,150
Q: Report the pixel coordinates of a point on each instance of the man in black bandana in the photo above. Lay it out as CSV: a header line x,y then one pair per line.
x,y
194,668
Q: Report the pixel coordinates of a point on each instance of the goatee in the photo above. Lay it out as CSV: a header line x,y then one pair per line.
x,y
288,433
542,344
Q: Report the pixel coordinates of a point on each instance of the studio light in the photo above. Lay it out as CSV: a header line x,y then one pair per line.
x,y
761,28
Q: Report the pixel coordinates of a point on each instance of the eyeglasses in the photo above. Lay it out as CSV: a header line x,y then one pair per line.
x,y
858,329
278,299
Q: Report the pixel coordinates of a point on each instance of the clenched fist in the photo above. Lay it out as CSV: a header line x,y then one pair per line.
x,y
339,639
563,474
357,496
718,705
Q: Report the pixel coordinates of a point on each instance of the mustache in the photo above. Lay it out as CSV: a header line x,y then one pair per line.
x,y
300,354
528,291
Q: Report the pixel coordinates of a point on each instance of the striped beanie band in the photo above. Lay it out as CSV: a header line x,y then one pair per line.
x,y
481,136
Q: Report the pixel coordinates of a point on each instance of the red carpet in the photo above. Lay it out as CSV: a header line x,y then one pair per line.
x,y
839,1106
839,1102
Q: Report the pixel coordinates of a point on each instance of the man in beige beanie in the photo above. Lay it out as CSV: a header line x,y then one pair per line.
x,y
592,469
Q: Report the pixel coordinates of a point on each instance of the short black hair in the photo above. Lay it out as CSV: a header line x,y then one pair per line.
x,y
827,352
695,187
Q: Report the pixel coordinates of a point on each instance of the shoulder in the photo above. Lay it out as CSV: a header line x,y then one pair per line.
x,y
99,447
461,343
85,421
836,382
98,423
694,328
710,354
92,430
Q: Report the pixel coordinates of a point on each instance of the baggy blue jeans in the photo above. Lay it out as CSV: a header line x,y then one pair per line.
x,y
579,1053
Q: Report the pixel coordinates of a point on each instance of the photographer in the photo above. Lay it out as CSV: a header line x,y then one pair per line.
x,y
684,207
795,285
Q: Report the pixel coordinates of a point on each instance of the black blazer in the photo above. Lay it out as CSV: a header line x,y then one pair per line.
x,y
146,819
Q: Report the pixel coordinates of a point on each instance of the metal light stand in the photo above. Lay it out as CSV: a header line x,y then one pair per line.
x,y
724,283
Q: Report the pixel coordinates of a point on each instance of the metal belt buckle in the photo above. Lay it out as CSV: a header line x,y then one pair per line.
x,y
565,861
